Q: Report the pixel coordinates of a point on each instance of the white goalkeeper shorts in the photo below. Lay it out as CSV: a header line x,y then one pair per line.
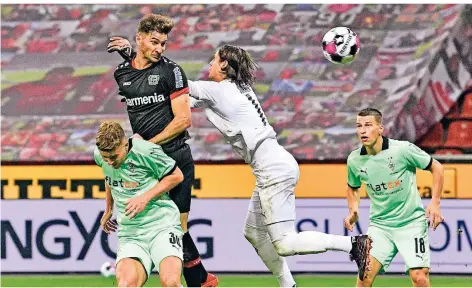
x,y
277,174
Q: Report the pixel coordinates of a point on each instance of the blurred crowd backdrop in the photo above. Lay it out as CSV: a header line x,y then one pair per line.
x,y
414,65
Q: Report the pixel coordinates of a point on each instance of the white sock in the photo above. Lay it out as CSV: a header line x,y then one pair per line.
x,y
288,242
260,240
276,264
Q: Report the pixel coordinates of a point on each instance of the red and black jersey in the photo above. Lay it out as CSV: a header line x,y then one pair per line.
x,y
148,94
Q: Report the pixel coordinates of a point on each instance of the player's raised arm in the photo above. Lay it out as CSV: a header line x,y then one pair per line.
x,y
122,46
204,90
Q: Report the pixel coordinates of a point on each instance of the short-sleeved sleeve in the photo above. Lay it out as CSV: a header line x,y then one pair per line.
x,y
155,158
353,179
177,82
415,157
203,90
97,157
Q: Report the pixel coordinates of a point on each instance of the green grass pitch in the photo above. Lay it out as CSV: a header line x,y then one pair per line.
x,y
231,281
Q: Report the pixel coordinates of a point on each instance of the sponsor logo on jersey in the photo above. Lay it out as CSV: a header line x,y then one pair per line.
x,y
120,183
153,80
385,186
127,83
145,100
179,82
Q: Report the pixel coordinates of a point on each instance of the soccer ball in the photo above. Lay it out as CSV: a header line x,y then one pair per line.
x,y
107,269
341,45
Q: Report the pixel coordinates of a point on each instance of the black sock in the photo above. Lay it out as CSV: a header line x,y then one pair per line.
x,y
194,272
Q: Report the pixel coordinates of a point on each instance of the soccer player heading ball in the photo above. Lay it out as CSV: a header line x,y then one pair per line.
x,y
232,106
341,45
398,221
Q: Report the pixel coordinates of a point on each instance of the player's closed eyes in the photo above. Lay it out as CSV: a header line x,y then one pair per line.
x,y
157,43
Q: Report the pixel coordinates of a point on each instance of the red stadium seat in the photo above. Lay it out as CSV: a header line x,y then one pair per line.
x,y
454,113
459,134
467,106
434,137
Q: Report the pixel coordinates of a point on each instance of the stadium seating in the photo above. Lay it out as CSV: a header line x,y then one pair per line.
x,y
57,79
434,138
467,107
459,134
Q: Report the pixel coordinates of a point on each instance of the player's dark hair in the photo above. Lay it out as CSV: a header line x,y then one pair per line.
x,y
110,135
241,67
371,112
155,22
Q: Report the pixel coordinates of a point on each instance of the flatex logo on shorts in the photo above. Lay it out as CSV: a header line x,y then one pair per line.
x,y
153,80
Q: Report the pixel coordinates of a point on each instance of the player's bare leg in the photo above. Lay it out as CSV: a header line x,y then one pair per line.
x,y
130,273
420,277
184,221
370,274
170,270
192,258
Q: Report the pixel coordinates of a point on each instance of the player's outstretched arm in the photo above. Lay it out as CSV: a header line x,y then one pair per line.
x,y
138,203
182,120
122,46
353,200
433,210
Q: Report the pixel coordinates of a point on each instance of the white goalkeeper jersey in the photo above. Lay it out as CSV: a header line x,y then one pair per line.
x,y
235,112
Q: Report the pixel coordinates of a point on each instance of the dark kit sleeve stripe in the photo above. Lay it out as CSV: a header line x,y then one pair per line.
x,y
170,172
179,93
352,187
429,164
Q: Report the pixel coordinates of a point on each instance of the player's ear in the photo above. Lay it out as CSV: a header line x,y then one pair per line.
x,y
224,64
381,130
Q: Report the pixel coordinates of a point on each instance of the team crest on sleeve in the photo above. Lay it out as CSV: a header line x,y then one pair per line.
x,y
153,79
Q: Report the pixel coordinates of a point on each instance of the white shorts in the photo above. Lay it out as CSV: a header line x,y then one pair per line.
x,y
273,204
277,175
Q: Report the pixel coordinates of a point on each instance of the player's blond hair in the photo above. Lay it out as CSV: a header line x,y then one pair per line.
x,y
155,22
110,135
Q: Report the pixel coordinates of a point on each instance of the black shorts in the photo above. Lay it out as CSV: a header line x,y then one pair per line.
x,y
182,193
